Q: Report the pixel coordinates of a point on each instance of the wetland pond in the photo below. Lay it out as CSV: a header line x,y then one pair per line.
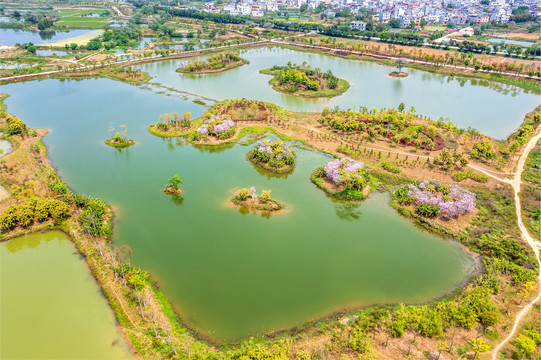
x,y
229,273
493,108
10,37
51,305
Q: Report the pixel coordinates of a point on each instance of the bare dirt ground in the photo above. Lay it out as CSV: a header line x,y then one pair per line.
x,y
520,36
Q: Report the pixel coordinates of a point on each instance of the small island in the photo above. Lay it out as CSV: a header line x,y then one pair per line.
x,y
217,63
172,187
215,130
302,80
172,125
120,140
248,198
344,179
399,63
272,156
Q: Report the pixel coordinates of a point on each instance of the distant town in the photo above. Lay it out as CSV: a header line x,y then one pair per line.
x,y
395,12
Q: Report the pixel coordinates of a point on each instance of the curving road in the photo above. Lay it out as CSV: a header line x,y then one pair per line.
x,y
516,182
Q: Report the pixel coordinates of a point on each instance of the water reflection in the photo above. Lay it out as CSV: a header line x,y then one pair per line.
x,y
270,174
46,35
27,242
215,149
348,210
177,199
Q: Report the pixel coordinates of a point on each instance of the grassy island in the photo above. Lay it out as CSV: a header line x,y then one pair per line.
x,y
172,125
272,156
344,179
120,140
248,198
302,80
217,63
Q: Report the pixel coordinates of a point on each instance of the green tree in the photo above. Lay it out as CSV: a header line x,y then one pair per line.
x,y
478,345
175,181
401,107
44,24
400,63
524,345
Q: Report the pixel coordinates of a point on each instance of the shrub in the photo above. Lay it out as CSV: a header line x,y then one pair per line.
x,y
275,154
14,125
33,209
54,208
58,187
242,194
391,168
8,219
347,172
470,174
222,128
427,210
458,201
483,149
265,196
92,219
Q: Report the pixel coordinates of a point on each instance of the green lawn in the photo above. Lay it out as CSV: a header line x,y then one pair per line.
x,y
435,28
74,18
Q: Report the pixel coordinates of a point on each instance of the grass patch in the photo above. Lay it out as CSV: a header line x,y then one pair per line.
x,y
75,18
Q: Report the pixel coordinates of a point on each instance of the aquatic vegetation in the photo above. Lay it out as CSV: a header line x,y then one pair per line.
x,y
274,156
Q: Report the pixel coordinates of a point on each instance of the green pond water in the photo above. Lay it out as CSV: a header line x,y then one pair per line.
x,y
493,108
50,305
231,273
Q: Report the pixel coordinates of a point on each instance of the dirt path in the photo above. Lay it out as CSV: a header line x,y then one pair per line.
x,y
535,245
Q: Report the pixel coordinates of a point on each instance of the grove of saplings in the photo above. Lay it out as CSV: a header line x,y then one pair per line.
x,y
214,62
300,77
391,124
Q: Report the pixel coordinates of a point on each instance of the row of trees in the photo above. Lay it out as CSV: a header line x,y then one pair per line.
x,y
215,62
464,58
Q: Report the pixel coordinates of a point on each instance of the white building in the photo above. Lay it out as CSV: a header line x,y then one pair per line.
x,y
358,25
